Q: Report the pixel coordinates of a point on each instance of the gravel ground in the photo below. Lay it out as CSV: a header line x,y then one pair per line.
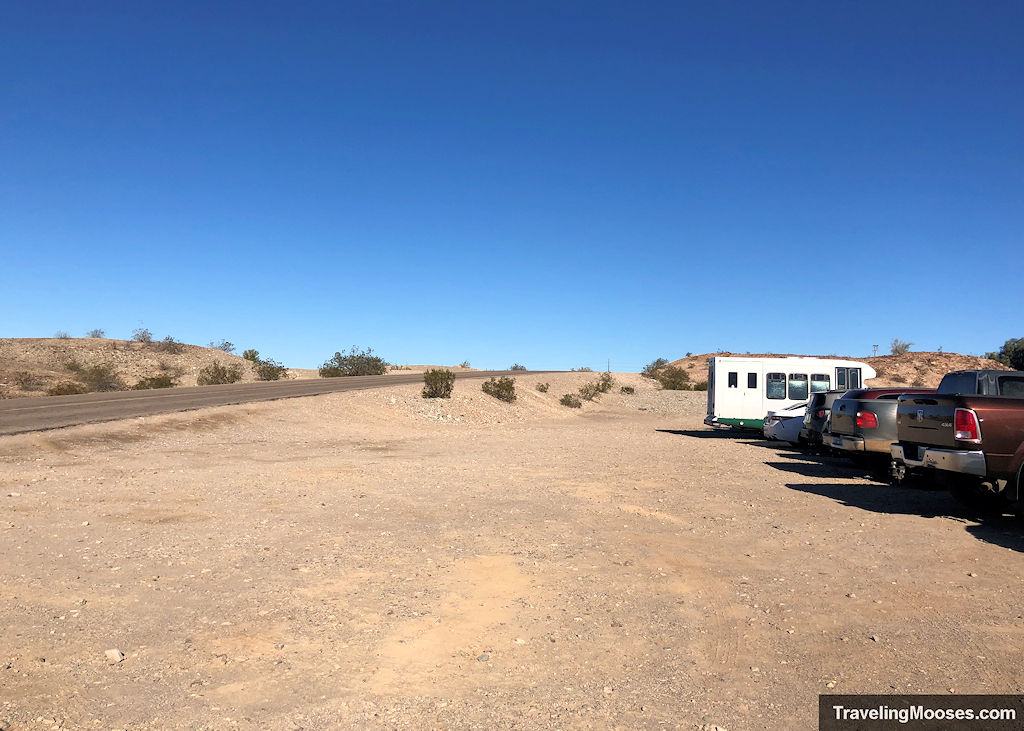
x,y
372,559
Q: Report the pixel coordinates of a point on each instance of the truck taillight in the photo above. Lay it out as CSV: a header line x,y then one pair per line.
x,y
966,426
867,420
820,414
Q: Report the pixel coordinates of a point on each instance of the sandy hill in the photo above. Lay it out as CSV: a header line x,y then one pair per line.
x,y
29,366
922,369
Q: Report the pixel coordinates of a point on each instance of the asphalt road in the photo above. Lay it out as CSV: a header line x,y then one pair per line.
x,y
54,412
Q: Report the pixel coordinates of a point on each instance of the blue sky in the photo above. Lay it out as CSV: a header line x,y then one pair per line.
x,y
553,183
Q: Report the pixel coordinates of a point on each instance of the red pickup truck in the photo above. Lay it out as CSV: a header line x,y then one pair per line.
x,y
969,434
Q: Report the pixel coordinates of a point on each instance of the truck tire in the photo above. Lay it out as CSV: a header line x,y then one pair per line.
x,y
988,497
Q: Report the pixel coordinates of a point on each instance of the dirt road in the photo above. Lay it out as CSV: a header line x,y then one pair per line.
x,y
373,559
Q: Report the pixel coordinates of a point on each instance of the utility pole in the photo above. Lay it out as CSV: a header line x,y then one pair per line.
x,y
875,347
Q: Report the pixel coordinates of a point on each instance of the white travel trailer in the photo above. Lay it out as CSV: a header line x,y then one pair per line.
x,y
741,391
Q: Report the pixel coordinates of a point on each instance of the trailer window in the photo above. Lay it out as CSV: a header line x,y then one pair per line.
x,y
751,380
855,378
798,386
734,379
841,379
820,382
775,386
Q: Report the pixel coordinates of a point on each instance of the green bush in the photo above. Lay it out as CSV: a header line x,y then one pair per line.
x,y
438,383
217,373
589,391
571,400
1011,354
672,378
700,386
543,387
517,367
100,377
651,369
628,390
66,388
354,363
503,389
900,347
142,335
170,345
266,369
161,381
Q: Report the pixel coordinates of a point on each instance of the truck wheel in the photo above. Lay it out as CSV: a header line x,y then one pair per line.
x,y
986,496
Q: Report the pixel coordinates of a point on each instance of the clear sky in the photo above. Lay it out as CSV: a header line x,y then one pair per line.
x,y
553,183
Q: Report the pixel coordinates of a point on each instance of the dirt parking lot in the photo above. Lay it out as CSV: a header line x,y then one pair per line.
x,y
372,559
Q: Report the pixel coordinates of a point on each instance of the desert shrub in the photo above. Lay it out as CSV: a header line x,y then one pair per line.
x,y
268,369
225,345
142,335
66,388
161,381
880,371
62,335
464,364
101,377
73,365
917,382
571,400
589,391
628,390
170,345
354,363
900,347
503,389
688,353
651,369
517,367
543,387
674,379
438,383
97,333
25,380
899,378
582,369
217,373
700,386
605,382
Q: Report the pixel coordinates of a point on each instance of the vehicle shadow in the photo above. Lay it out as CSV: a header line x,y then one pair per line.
x,y
1000,530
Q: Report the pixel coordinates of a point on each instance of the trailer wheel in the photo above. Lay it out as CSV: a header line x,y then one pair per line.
x,y
986,496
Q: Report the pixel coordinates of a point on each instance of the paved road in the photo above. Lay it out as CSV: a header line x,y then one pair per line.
x,y
37,414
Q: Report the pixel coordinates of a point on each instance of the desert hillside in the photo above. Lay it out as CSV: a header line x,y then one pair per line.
x,y
923,370
29,366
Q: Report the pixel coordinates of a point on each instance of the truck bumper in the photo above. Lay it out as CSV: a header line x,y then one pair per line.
x,y
951,460
845,442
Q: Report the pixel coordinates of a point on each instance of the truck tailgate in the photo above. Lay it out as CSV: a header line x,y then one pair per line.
x,y
844,416
926,420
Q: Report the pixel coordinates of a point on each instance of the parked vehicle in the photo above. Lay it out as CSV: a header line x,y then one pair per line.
x,y
862,422
741,391
969,435
785,424
819,411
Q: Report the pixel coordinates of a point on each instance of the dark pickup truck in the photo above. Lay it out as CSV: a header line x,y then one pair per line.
x,y
863,422
970,433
